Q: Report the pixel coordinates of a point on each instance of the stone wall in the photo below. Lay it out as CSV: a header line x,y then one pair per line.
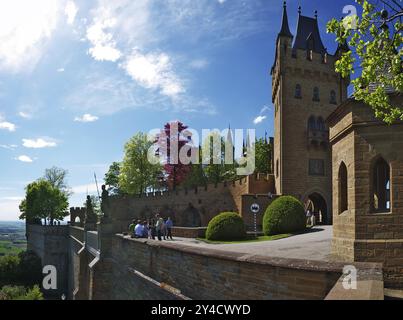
x,y
361,233
200,273
188,208
51,244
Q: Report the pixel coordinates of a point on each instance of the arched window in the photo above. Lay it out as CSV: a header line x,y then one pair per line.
x,y
277,168
343,188
381,185
333,99
320,124
298,91
316,94
312,123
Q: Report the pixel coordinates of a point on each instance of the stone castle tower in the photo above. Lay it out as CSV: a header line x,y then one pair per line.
x,y
305,90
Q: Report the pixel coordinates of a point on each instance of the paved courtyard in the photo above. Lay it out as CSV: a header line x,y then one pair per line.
x,y
314,245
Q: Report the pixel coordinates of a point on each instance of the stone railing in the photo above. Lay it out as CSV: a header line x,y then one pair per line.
x,y
91,242
77,233
369,284
207,273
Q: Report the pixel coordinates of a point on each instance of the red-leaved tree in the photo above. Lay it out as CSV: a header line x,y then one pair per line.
x,y
170,141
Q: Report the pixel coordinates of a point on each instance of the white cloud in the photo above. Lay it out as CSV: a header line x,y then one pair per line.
x,y
8,146
24,158
103,46
83,189
259,119
86,118
12,198
60,70
38,143
9,210
154,71
24,115
199,64
70,11
25,27
5,125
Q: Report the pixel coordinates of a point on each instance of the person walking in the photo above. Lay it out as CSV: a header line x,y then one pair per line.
x,y
159,226
169,224
309,218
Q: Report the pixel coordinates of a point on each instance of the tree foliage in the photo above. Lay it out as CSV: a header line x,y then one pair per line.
x,y
20,293
216,168
96,204
376,42
57,177
174,134
138,175
263,156
112,176
43,201
24,269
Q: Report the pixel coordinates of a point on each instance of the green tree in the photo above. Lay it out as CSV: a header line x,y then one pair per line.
x,y
96,204
197,176
24,269
216,169
138,174
112,176
57,177
376,42
20,293
263,160
43,201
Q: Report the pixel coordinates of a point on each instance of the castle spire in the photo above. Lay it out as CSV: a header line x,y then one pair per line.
x,y
308,35
285,28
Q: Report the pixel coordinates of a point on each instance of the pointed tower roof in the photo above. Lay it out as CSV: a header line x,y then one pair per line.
x,y
308,35
285,28
229,135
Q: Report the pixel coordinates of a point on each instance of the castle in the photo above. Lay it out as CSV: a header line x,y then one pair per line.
x,y
329,151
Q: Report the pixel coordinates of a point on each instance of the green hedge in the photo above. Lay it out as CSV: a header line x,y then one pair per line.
x,y
227,226
285,215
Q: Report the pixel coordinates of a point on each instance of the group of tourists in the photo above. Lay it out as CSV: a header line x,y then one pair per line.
x,y
152,228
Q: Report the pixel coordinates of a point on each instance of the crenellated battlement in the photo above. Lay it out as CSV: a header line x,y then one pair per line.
x,y
77,212
249,181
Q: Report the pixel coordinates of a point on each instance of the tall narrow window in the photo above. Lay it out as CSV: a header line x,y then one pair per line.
x,y
316,94
277,168
320,124
298,91
312,123
343,188
333,99
381,186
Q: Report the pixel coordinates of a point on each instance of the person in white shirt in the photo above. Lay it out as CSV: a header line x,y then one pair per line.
x,y
139,230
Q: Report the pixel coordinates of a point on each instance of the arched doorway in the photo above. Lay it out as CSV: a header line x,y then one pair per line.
x,y
317,205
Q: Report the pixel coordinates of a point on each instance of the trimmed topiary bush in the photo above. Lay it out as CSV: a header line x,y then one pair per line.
x,y
227,226
285,215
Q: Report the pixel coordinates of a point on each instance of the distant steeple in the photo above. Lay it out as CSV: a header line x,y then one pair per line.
x,y
285,28
229,135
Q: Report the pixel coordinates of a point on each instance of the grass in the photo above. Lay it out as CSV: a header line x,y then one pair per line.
x,y
7,247
258,239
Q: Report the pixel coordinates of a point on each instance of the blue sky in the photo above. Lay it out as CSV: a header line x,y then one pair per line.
x,y
78,78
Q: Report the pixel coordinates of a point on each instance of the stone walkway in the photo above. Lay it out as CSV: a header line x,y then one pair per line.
x,y
314,245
